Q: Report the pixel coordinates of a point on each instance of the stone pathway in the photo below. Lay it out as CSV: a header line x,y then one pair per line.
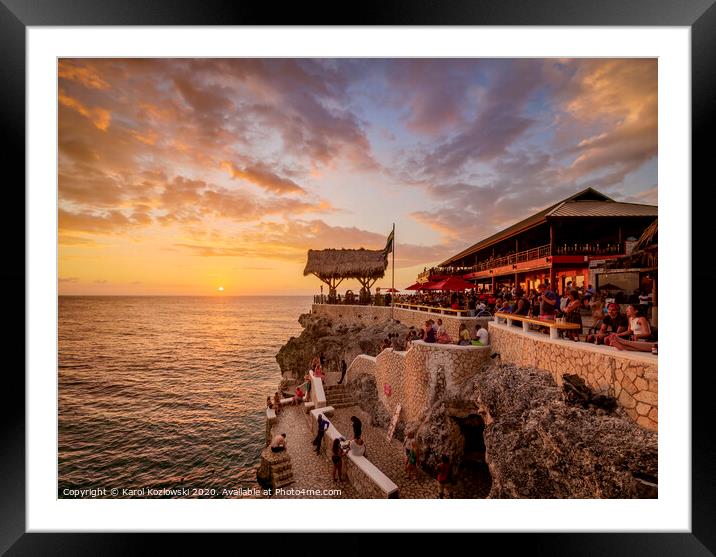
x,y
314,472
387,456
310,471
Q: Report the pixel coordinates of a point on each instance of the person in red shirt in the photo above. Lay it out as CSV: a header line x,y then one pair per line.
x,y
444,477
298,398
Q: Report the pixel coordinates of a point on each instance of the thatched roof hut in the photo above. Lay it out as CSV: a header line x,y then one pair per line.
x,y
346,263
649,237
645,252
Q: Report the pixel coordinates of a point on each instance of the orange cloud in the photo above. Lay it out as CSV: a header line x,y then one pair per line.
x,y
100,117
82,74
260,176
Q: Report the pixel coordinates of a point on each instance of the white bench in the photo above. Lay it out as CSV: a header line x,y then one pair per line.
x,y
326,411
384,483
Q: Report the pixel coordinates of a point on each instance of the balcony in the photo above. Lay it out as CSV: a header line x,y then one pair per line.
x,y
534,254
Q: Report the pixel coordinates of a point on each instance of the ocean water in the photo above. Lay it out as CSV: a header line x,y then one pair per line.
x,y
167,392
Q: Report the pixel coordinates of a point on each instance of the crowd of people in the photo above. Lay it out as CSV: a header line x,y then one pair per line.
x,y
435,331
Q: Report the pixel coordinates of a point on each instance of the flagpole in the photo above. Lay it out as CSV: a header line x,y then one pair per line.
x,y
392,297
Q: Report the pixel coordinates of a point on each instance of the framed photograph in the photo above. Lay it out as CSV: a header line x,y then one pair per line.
x,y
224,213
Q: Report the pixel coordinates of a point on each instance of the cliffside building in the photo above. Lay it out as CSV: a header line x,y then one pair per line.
x,y
556,243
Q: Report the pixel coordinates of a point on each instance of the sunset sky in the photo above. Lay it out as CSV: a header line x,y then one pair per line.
x,y
180,176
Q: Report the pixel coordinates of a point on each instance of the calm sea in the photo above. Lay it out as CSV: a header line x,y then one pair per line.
x,y
167,392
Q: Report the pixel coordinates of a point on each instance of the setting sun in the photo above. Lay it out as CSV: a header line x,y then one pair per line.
x,y
220,289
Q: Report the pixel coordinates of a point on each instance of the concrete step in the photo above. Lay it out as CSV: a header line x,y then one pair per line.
x,y
343,404
329,388
283,476
333,400
284,483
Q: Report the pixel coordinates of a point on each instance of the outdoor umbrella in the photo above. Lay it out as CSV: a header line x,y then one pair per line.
x,y
417,286
453,283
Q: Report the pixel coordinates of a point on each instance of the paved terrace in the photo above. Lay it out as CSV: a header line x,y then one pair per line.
x,y
311,471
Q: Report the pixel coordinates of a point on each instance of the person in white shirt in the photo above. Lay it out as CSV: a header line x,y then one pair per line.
x,y
482,335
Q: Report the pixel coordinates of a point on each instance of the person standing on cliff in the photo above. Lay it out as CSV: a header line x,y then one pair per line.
x,y
344,368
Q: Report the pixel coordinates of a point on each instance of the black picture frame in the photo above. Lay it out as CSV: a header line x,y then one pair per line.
x,y
17,15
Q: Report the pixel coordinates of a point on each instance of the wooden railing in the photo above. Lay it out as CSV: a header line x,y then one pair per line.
x,y
554,326
592,248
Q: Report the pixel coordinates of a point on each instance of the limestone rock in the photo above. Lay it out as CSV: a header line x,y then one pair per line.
x,y
539,446
335,341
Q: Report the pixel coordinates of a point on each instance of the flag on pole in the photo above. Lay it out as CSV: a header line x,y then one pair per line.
x,y
389,244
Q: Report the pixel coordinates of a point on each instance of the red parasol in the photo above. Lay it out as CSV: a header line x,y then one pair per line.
x,y
416,286
453,283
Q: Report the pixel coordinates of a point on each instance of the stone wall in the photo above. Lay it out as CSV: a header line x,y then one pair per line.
x,y
370,315
631,377
409,377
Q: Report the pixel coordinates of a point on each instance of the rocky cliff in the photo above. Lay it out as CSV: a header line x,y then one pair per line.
x,y
335,341
515,422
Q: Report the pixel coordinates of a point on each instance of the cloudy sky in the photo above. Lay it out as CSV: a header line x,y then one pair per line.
x,y
180,176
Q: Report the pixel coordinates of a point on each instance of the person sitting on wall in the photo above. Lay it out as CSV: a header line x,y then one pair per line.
x,y
637,337
429,332
463,335
357,447
613,322
279,443
298,397
482,337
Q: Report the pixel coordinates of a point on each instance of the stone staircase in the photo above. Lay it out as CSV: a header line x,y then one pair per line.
x,y
338,396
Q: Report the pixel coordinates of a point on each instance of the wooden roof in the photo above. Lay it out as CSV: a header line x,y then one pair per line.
x,y
586,203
